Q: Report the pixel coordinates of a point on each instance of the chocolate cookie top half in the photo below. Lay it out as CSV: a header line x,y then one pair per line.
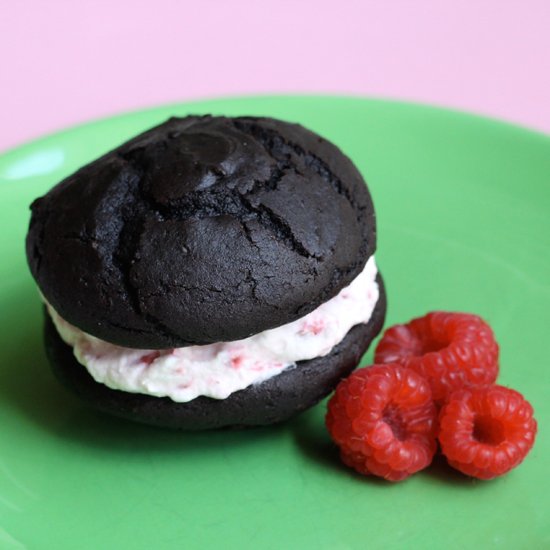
x,y
203,229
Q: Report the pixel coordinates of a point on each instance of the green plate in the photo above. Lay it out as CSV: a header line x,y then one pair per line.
x,y
463,209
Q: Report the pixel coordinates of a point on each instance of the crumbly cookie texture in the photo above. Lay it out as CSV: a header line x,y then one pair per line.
x,y
201,230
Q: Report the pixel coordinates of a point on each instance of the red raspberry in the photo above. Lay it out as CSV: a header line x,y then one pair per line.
x,y
384,421
485,432
451,350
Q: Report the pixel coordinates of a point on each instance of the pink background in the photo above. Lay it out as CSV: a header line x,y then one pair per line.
x,y
63,62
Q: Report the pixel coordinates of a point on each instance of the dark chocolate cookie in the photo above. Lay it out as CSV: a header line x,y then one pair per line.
x,y
272,401
203,229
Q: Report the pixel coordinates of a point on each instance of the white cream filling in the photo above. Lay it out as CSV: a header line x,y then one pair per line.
x,y
218,370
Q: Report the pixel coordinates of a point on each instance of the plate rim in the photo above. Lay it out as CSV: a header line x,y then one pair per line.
x,y
63,132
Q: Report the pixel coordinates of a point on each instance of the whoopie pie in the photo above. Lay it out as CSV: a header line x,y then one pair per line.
x,y
210,272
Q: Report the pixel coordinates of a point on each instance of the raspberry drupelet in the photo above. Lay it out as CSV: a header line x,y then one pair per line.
x,y
384,421
451,350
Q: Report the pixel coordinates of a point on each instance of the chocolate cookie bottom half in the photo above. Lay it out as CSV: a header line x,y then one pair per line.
x,y
274,400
